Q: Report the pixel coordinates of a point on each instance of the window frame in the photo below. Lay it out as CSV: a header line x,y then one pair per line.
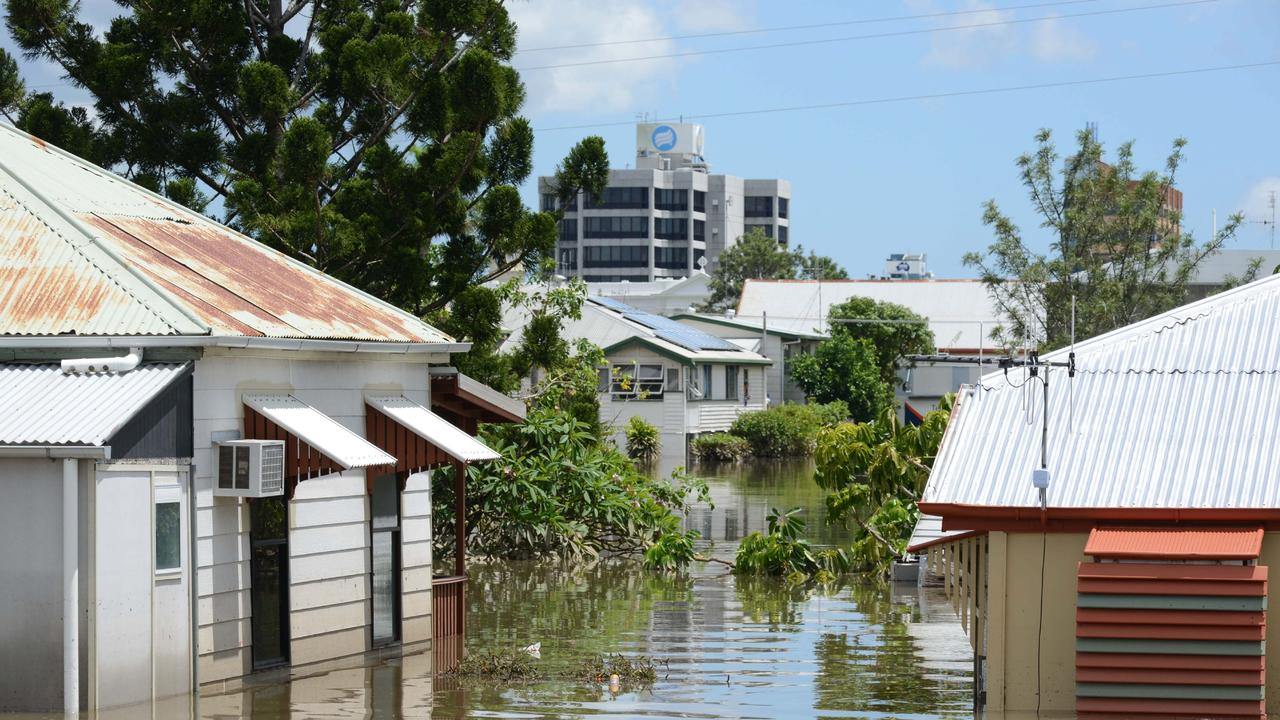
x,y
166,495
731,376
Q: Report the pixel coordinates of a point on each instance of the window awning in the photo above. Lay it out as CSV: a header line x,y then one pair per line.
x,y
439,434
1172,543
457,395
315,444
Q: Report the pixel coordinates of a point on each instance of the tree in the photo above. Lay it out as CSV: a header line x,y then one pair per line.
x,y
844,368
1115,244
893,330
757,256
379,142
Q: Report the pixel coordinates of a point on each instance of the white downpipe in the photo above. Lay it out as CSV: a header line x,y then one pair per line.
x,y
70,587
124,364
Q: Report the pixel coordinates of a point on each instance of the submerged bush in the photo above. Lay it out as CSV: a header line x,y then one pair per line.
x,y
643,442
639,670
719,447
787,430
784,551
505,665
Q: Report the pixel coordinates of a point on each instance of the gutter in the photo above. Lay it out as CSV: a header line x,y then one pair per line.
x,y
87,452
229,341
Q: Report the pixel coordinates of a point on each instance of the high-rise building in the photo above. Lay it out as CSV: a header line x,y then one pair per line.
x,y
663,218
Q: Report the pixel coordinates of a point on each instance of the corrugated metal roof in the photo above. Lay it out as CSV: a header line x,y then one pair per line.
x,y
39,405
429,426
928,531
319,431
1178,411
1175,543
954,308
178,265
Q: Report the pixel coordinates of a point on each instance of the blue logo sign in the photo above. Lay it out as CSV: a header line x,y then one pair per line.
x,y
664,137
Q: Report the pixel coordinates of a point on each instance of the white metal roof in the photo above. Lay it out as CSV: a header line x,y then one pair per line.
x,y
429,426
39,405
928,529
960,312
1178,411
319,431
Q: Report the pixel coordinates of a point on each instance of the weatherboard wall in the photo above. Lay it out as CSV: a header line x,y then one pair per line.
x,y
329,597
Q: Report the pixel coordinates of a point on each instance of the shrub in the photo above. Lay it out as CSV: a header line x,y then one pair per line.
x,y
719,447
830,414
783,431
784,551
643,442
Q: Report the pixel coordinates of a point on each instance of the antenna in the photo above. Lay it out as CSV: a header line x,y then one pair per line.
x,y
1271,203
1071,371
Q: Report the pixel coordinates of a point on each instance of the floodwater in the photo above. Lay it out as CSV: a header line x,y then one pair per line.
x,y
726,647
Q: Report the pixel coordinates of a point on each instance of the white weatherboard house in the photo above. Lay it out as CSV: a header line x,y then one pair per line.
x,y
777,344
213,459
682,380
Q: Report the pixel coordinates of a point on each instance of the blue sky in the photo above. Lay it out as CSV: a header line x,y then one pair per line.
x,y
907,176
912,176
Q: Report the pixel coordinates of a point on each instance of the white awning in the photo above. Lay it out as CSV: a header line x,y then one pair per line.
x,y
429,426
319,431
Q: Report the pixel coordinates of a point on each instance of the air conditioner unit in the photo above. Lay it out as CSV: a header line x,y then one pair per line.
x,y
249,468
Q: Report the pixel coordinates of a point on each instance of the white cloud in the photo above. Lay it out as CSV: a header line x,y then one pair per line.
x,y
1056,41
610,87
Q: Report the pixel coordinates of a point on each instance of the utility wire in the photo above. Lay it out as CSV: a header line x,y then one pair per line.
x,y
815,26
898,33
936,96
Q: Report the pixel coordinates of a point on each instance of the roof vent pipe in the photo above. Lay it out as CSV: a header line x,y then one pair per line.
x,y
103,365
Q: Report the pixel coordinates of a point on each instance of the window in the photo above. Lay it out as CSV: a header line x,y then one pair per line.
x,y
700,230
602,385
569,230
384,555
730,382
699,201
707,393
758,206
615,278
698,254
671,199
616,227
568,260
615,256
673,379
784,206
637,382
766,229
671,228
671,258
620,197
168,521
549,202
782,233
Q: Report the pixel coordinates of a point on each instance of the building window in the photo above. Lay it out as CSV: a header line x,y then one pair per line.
x,y
766,229
549,202
671,228
730,382
568,261
604,381
615,256
671,199
620,197
784,206
698,254
637,382
168,550
615,278
673,379
569,230
782,234
758,206
707,390
700,230
699,201
671,258
616,227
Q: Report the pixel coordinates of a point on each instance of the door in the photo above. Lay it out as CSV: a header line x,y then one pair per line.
x,y
269,591
384,548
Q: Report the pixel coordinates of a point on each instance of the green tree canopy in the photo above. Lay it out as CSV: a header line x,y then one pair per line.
x,y
380,142
844,368
1115,244
757,256
893,330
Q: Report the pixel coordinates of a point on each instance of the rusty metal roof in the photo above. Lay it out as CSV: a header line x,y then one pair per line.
x,y
112,258
1240,543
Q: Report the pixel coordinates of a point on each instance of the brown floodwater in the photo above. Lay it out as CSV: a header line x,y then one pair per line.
x,y
725,647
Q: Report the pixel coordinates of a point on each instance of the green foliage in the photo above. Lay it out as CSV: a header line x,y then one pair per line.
x,y
903,332
784,551
757,256
635,671
874,473
844,369
719,447
380,142
560,492
1115,244
643,441
506,665
786,430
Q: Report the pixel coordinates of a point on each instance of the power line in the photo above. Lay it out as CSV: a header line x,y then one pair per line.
x,y
935,96
898,33
815,26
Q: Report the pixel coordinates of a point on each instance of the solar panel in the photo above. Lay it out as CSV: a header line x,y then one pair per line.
x,y
613,304
666,328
